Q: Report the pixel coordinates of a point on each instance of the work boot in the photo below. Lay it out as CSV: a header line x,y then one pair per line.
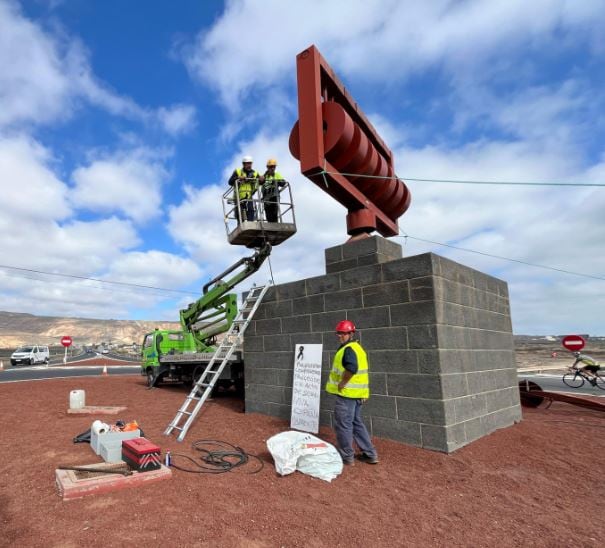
x,y
348,462
367,459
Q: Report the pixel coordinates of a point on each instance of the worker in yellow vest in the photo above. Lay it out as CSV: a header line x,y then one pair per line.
x,y
247,184
272,184
349,382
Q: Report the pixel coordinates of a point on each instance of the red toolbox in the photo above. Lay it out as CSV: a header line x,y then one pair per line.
x,y
141,454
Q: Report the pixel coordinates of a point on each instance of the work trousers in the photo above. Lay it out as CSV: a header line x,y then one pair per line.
x,y
247,212
271,210
349,427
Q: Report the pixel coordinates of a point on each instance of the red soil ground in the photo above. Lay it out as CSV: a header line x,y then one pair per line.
x,y
521,486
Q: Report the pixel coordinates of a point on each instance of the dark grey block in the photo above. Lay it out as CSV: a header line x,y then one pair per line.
x,y
413,313
343,300
422,336
384,338
362,276
326,321
305,338
421,410
296,324
414,386
409,267
272,394
277,360
378,383
387,293
443,438
333,254
308,305
469,407
267,327
258,375
292,290
454,385
276,309
253,343
341,266
393,361
277,342
323,284
422,289
380,406
501,399
363,318
406,432
430,362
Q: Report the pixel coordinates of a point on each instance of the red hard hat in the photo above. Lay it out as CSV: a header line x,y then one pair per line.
x,y
345,326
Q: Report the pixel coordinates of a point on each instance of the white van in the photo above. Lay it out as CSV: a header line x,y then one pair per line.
x,y
30,355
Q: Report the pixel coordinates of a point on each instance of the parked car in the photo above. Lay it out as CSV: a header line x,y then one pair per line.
x,y
30,355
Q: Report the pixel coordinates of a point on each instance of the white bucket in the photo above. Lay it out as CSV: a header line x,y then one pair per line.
x,y
76,399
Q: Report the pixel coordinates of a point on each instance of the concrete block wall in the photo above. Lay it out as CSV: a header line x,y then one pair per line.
x,y
438,336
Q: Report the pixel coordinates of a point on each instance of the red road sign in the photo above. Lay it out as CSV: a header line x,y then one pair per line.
x,y
66,341
573,342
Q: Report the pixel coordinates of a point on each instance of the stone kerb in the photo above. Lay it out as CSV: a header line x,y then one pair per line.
x,y
438,336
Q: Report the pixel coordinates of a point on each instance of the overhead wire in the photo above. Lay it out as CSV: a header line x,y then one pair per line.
x,y
87,278
324,172
527,263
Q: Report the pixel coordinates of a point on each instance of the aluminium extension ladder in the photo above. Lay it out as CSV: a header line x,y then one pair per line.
x,y
204,385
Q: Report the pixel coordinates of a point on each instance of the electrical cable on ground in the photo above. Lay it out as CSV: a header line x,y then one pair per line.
x,y
217,461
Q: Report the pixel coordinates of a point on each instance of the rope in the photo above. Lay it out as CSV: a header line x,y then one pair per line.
x,y
226,459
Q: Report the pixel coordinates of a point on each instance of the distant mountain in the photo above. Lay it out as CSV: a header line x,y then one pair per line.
x,y
18,329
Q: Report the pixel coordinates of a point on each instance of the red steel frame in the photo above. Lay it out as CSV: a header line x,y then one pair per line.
x,y
318,83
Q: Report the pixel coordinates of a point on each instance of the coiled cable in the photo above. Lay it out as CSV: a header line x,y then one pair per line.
x,y
217,461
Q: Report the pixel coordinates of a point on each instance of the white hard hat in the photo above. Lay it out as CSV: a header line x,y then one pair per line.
x,y
247,159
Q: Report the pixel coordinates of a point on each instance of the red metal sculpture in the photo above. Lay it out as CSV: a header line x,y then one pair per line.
x,y
341,152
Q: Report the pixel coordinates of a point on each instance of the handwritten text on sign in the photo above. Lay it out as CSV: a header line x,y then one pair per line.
x,y
306,387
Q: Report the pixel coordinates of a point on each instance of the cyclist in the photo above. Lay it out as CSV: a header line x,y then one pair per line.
x,y
590,366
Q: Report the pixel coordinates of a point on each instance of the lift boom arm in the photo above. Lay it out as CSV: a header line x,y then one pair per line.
x,y
213,313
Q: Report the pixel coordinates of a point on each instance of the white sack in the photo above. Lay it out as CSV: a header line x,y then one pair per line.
x,y
304,452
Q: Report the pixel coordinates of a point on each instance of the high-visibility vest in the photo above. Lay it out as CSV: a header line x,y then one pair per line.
x,y
270,184
246,187
358,386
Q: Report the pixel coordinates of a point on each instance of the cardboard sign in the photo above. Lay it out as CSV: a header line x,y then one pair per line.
x,y
306,387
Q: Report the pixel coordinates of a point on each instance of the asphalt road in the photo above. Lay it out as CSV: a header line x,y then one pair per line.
x,y
552,382
39,372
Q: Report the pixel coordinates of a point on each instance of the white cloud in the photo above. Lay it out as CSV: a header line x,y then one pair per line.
x,y
33,86
177,119
30,190
45,77
154,269
128,182
382,40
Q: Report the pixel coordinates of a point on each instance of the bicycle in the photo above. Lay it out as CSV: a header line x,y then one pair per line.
x,y
576,378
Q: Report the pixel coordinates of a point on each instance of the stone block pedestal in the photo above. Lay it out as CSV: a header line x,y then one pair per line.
x,y
438,336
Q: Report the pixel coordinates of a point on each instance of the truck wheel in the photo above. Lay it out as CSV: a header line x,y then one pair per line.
x,y
46,361
31,362
150,378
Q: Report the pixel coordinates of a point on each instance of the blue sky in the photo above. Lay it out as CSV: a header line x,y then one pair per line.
x,y
120,123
